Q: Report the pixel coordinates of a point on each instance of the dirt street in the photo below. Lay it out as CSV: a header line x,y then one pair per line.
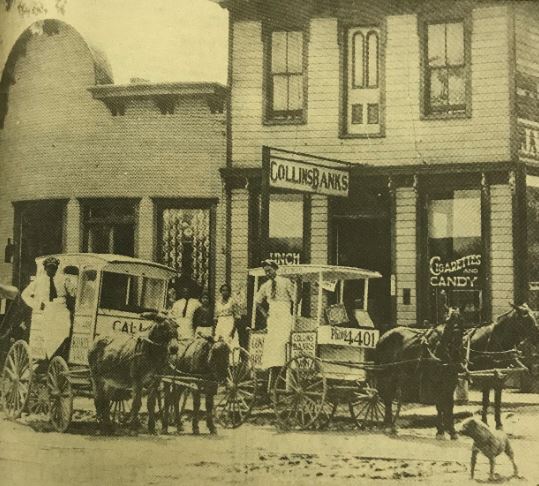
x,y
254,454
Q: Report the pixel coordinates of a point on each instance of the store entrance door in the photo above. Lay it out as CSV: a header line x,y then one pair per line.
x,y
365,242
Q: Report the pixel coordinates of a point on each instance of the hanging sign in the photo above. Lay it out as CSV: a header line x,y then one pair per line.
x,y
308,176
529,140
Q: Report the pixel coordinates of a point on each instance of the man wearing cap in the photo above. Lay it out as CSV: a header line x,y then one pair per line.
x,y
278,293
47,287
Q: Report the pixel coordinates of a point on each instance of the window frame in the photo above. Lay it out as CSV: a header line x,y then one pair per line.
x,y
379,27
424,89
268,116
110,222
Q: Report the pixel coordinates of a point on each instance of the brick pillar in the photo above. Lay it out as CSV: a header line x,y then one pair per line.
x,y
501,248
145,229
72,235
405,253
239,242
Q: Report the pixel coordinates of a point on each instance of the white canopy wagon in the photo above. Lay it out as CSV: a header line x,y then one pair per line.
x,y
327,355
111,292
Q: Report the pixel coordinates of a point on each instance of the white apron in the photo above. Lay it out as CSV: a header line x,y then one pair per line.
x,y
225,325
278,335
185,327
56,324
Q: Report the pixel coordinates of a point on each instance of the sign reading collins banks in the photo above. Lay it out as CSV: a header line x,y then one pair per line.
x,y
306,177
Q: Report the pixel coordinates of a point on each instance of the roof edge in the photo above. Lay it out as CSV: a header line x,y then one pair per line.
x,y
157,89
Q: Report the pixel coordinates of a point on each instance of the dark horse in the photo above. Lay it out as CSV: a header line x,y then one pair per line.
x,y
204,360
491,347
122,363
435,353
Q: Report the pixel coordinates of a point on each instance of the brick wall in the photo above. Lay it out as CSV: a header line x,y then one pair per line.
x,y
59,142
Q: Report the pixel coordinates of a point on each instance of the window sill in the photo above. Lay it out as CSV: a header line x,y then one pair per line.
x,y
445,116
284,122
361,136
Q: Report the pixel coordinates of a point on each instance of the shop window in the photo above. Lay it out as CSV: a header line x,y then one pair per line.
x,y
109,227
185,244
455,254
286,215
445,68
362,84
285,76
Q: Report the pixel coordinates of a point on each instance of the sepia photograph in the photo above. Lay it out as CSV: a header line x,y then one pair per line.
x,y
290,242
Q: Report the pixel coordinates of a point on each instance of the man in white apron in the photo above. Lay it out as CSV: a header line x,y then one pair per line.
x,y
182,312
46,295
278,292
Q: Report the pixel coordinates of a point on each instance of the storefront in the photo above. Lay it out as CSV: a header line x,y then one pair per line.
x,y
440,236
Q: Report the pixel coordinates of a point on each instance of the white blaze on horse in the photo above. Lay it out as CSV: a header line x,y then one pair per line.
x,y
121,364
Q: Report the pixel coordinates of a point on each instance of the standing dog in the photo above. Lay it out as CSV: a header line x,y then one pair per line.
x,y
490,442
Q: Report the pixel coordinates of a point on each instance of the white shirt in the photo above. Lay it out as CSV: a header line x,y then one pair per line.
x,y
284,291
177,311
36,295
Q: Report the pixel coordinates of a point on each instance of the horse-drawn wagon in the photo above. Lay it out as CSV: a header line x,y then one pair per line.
x,y
112,293
329,355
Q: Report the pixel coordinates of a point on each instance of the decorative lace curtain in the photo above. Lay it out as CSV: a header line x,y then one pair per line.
x,y
186,234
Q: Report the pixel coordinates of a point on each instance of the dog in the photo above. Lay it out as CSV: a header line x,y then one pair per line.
x,y
490,442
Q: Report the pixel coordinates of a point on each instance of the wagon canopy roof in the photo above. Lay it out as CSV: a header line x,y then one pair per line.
x,y
105,261
313,272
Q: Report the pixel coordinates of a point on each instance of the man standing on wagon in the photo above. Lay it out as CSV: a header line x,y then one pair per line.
x,y
278,293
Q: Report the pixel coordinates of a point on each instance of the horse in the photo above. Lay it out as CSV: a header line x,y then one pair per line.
x,y
493,345
120,363
435,352
202,358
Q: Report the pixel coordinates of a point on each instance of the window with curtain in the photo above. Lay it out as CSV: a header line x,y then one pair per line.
x,y
285,84
445,68
455,254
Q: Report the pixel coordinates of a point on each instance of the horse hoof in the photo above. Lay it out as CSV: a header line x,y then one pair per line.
x,y
213,431
454,436
440,436
391,431
196,432
499,427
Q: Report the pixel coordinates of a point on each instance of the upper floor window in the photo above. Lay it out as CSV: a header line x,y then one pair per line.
x,y
445,73
285,83
362,81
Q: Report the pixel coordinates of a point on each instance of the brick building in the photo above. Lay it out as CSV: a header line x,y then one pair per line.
x,y
432,107
87,165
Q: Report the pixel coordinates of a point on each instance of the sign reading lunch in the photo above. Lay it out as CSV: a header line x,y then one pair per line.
x,y
305,177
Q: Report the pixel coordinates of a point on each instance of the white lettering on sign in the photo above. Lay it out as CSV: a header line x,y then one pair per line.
x,y
529,139
285,258
305,177
303,343
460,273
361,338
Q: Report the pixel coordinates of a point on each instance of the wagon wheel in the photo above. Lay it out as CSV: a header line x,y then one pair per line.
x,y
60,393
38,399
16,379
368,410
299,394
326,415
237,400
